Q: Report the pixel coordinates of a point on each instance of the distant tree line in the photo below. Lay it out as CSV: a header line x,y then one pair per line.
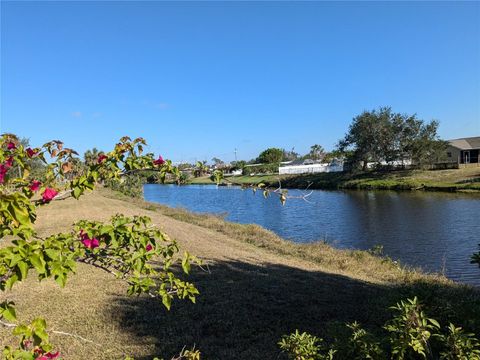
x,y
378,136
382,137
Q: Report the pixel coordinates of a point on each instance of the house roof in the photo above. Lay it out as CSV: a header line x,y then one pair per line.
x,y
466,143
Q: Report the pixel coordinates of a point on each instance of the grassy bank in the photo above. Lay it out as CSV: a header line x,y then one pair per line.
x,y
438,180
258,288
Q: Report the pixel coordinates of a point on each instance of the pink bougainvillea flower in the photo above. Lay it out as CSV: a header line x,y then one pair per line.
x,y
51,355
9,162
35,185
3,172
149,247
91,243
159,161
102,158
31,153
48,356
11,145
4,168
49,194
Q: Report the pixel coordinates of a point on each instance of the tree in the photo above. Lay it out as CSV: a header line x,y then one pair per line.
x,y
201,168
218,162
217,176
316,152
90,156
270,156
384,136
290,155
367,136
238,165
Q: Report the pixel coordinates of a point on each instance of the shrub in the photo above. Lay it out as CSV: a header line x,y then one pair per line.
x,y
410,334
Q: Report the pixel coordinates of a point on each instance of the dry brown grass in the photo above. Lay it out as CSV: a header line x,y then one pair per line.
x,y
259,288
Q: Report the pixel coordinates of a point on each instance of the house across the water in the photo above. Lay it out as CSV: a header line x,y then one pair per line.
x,y
464,151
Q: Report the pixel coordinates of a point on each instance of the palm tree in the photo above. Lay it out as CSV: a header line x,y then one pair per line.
x,y
316,152
91,156
200,169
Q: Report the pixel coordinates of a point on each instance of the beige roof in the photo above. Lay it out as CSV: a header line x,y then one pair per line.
x,y
466,143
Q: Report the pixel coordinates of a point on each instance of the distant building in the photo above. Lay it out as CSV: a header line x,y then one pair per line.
x,y
311,168
464,151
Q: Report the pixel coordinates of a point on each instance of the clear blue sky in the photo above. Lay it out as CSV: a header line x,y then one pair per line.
x,y
199,79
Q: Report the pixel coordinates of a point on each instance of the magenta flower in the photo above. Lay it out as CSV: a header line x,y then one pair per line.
x,y
31,153
3,172
102,158
4,168
11,145
9,162
149,247
159,161
48,356
49,194
35,185
91,243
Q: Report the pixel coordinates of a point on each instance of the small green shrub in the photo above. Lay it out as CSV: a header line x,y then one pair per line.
x,y
410,334
410,330
459,345
304,347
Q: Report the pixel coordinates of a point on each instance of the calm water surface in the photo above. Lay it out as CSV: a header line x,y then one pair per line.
x,y
435,231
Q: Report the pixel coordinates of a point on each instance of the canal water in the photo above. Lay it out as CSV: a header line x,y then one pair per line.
x,y
437,232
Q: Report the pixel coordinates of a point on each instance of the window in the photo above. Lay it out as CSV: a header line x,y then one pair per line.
x,y
449,154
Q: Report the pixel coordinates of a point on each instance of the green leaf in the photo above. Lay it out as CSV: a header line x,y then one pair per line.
x,y
38,263
21,330
23,267
61,280
10,281
186,263
52,254
77,192
434,322
9,313
167,300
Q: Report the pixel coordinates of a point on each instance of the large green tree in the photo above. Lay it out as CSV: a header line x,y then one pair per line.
x,y
270,156
384,136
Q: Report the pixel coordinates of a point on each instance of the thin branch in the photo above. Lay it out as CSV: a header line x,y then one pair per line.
x,y
72,335
94,264
10,325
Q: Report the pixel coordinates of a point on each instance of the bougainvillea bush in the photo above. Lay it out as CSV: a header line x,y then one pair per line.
x,y
124,246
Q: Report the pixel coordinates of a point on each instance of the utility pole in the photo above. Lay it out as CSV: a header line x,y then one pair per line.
x,y
235,155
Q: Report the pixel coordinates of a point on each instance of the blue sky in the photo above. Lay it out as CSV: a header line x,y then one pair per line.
x,y
199,79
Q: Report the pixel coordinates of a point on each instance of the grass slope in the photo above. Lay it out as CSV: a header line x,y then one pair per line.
x,y
258,288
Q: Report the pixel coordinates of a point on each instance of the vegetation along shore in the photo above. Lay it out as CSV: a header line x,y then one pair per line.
x,y
465,180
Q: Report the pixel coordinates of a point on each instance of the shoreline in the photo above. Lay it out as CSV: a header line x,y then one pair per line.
x,y
458,180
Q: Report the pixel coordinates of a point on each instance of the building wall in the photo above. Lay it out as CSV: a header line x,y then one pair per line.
x,y
309,169
454,154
